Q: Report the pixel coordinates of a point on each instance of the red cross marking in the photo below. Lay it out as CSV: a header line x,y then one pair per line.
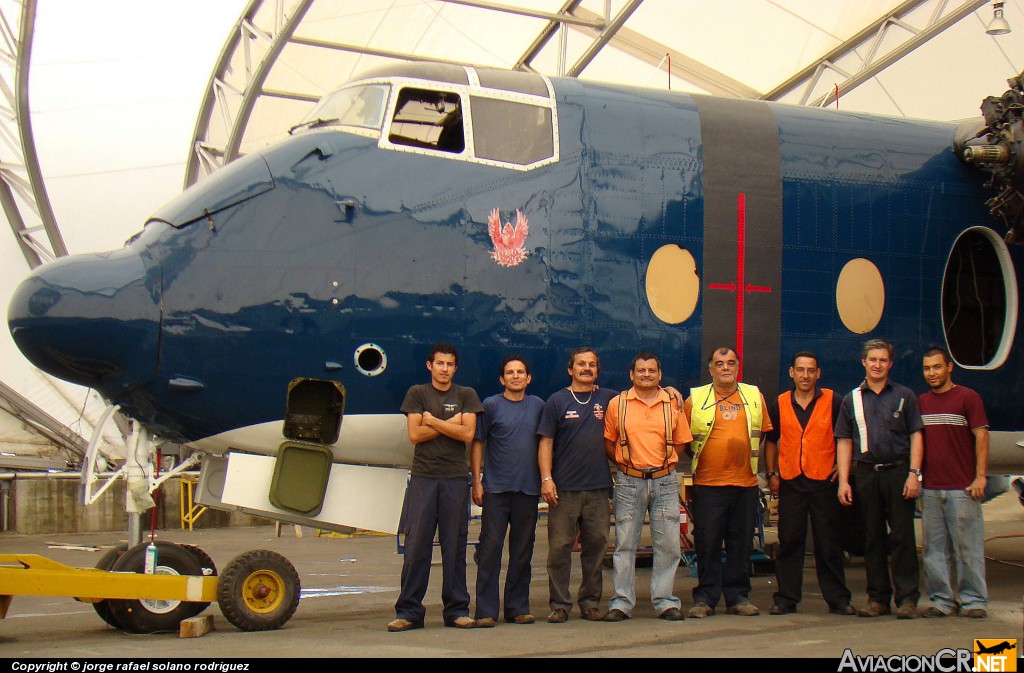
x,y
740,282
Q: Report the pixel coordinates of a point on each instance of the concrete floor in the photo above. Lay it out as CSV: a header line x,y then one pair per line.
x,y
350,586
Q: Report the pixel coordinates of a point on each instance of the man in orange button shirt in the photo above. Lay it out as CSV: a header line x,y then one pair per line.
x,y
643,427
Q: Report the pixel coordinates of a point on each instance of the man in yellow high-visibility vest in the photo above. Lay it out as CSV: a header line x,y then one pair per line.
x,y
727,419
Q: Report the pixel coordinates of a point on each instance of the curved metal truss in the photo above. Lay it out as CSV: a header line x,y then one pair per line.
x,y
241,83
22,192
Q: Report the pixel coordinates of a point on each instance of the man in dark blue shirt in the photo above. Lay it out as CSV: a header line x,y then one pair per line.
x,y
575,483
878,435
508,490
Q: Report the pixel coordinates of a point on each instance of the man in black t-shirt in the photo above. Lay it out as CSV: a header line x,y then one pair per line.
x,y
441,420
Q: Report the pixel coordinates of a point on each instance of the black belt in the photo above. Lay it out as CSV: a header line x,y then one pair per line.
x,y
880,467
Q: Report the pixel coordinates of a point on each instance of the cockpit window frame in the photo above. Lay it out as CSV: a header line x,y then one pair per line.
x,y
465,93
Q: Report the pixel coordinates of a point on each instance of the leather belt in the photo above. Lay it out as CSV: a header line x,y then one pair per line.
x,y
880,467
653,473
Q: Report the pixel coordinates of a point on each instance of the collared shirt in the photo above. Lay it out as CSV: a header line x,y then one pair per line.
x,y
802,415
802,482
892,416
645,430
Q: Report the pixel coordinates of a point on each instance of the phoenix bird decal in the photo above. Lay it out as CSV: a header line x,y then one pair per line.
x,y
509,242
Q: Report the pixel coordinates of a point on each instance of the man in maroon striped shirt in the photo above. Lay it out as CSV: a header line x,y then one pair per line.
x,y
954,476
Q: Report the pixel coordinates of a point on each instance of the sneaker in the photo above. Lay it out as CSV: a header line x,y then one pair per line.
x,y
672,615
700,611
906,610
933,612
521,619
558,616
974,613
485,623
782,609
463,622
593,615
399,625
874,609
743,610
845,610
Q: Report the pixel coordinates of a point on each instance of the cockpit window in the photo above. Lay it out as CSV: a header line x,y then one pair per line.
x,y
361,106
428,119
513,132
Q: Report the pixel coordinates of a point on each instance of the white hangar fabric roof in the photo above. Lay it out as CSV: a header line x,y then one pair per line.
x,y
918,58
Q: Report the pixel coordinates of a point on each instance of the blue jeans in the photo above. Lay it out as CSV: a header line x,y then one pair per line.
x,y
634,498
953,527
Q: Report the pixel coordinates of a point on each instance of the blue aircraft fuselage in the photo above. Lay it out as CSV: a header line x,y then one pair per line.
x,y
296,259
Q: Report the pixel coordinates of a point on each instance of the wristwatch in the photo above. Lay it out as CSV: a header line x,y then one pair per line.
x,y
772,474
916,471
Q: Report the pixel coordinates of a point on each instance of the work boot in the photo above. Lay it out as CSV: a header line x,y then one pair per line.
x,y
700,611
399,625
744,610
874,609
906,610
558,616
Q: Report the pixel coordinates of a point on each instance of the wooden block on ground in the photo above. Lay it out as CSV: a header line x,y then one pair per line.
x,y
194,627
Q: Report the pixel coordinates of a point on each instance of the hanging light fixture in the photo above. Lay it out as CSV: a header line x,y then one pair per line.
x,y
998,26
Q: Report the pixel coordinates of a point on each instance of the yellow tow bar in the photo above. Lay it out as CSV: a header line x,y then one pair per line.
x,y
35,575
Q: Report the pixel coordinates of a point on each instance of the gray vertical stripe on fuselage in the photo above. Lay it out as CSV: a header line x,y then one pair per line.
x,y
740,150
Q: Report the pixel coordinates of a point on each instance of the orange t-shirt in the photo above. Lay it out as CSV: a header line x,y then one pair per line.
x,y
725,460
645,426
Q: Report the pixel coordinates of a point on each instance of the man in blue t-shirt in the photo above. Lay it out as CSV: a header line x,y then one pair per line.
x,y
575,483
506,446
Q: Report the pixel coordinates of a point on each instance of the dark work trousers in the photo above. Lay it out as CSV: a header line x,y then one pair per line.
x,y
822,504
589,513
440,505
516,513
723,514
887,514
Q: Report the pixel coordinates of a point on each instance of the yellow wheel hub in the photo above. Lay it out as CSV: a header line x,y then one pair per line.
x,y
263,591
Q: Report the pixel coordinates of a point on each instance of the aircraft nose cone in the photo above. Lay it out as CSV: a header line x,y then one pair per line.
x,y
93,320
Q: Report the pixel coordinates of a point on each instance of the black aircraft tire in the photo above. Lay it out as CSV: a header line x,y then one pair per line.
x,y
150,616
258,590
204,559
107,562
